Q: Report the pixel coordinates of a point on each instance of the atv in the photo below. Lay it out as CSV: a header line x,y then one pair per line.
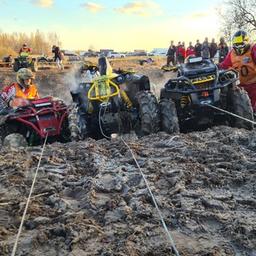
x,y
112,102
24,61
185,101
42,117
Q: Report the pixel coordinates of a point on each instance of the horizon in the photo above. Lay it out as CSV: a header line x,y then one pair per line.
x,y
122,25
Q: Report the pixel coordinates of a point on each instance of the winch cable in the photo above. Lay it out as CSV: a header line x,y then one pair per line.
x,y
230,113
168,233
28,199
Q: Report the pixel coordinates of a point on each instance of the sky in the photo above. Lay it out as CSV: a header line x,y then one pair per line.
x,y
114,24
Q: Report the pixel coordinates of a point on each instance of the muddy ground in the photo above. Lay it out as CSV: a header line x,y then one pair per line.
x,y
90,199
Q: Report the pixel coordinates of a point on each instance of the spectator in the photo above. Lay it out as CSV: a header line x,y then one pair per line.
x,y
190,50
223,49
205,49
58,56
171,58
181,53
213,49
198,48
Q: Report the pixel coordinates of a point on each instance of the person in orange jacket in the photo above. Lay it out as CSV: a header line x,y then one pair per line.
x,y
19,93
243,59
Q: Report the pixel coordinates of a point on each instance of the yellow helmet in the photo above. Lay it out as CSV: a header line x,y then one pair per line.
x,y
241,42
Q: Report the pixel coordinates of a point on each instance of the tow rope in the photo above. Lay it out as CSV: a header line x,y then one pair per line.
x,y
28,200
230,113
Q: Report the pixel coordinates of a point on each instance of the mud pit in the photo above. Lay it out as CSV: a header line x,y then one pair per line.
x,y
90,198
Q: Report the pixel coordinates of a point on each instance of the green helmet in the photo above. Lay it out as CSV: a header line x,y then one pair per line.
x,y
23,74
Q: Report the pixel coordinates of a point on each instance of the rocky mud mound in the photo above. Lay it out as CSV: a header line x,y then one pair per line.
x,y
90,199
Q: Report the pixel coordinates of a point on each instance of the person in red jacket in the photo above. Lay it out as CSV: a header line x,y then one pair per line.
x,y
190,50
181,53
25,50
243,59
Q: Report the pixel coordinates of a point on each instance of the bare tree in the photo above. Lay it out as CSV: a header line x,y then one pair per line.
x,y
238,14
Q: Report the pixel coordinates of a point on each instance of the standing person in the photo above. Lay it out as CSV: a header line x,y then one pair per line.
x,y
205,49
171,58
181,53
198,48
213,48
58,56
223,49
243,59
190,50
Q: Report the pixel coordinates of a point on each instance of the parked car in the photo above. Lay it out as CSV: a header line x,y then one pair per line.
x,y
158,52
113,55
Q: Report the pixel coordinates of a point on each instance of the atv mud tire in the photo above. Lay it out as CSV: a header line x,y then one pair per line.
x,y
16,66
168,116
241,105
148,113
73,123
14,140
34,66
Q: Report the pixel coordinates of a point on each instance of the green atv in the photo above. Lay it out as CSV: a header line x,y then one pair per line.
x,y
24,61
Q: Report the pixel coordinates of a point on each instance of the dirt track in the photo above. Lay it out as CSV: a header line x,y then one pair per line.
x,y
89,198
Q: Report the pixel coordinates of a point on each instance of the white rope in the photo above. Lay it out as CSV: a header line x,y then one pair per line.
x,y
230,113
28,200
155,202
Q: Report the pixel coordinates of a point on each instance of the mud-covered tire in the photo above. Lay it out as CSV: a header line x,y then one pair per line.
x,y
34,66
241,105
148,113
169,122
14,140
16,66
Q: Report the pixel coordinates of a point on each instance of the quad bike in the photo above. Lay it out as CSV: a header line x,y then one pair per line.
x,y
185,100
36,120
113,103
24,61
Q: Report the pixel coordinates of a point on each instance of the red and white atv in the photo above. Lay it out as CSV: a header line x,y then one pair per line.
x,y
32,123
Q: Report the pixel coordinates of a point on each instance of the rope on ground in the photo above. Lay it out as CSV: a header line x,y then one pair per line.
x,y
28,200
155,202
230,113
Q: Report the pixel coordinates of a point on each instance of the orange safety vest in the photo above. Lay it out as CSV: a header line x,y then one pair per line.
x,y
245,65
29,93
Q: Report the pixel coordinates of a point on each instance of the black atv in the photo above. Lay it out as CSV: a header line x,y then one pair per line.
x,y
25,62
185,101
113,103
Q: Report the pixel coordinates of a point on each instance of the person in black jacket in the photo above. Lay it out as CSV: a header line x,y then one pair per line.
x,y
171,58
213,49
58,56
198,48
223,49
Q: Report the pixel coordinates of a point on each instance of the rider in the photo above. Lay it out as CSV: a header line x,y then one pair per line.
x,y
25,50
243,58
19,93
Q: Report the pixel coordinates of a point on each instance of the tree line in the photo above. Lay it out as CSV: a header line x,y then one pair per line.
x,y
41,43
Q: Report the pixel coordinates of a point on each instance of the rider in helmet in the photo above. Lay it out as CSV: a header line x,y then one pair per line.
x,y
25,50
19,93
242,57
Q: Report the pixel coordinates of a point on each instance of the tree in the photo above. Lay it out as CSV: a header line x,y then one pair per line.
x,y
238,14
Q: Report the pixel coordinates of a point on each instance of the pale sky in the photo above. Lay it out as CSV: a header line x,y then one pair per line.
x,y
117,24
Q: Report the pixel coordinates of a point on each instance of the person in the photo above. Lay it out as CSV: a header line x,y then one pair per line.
x,y
205,49
19,93
213,48
171,58
181,53
190,50
242,57
58,56
223,49
25,50
198,48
